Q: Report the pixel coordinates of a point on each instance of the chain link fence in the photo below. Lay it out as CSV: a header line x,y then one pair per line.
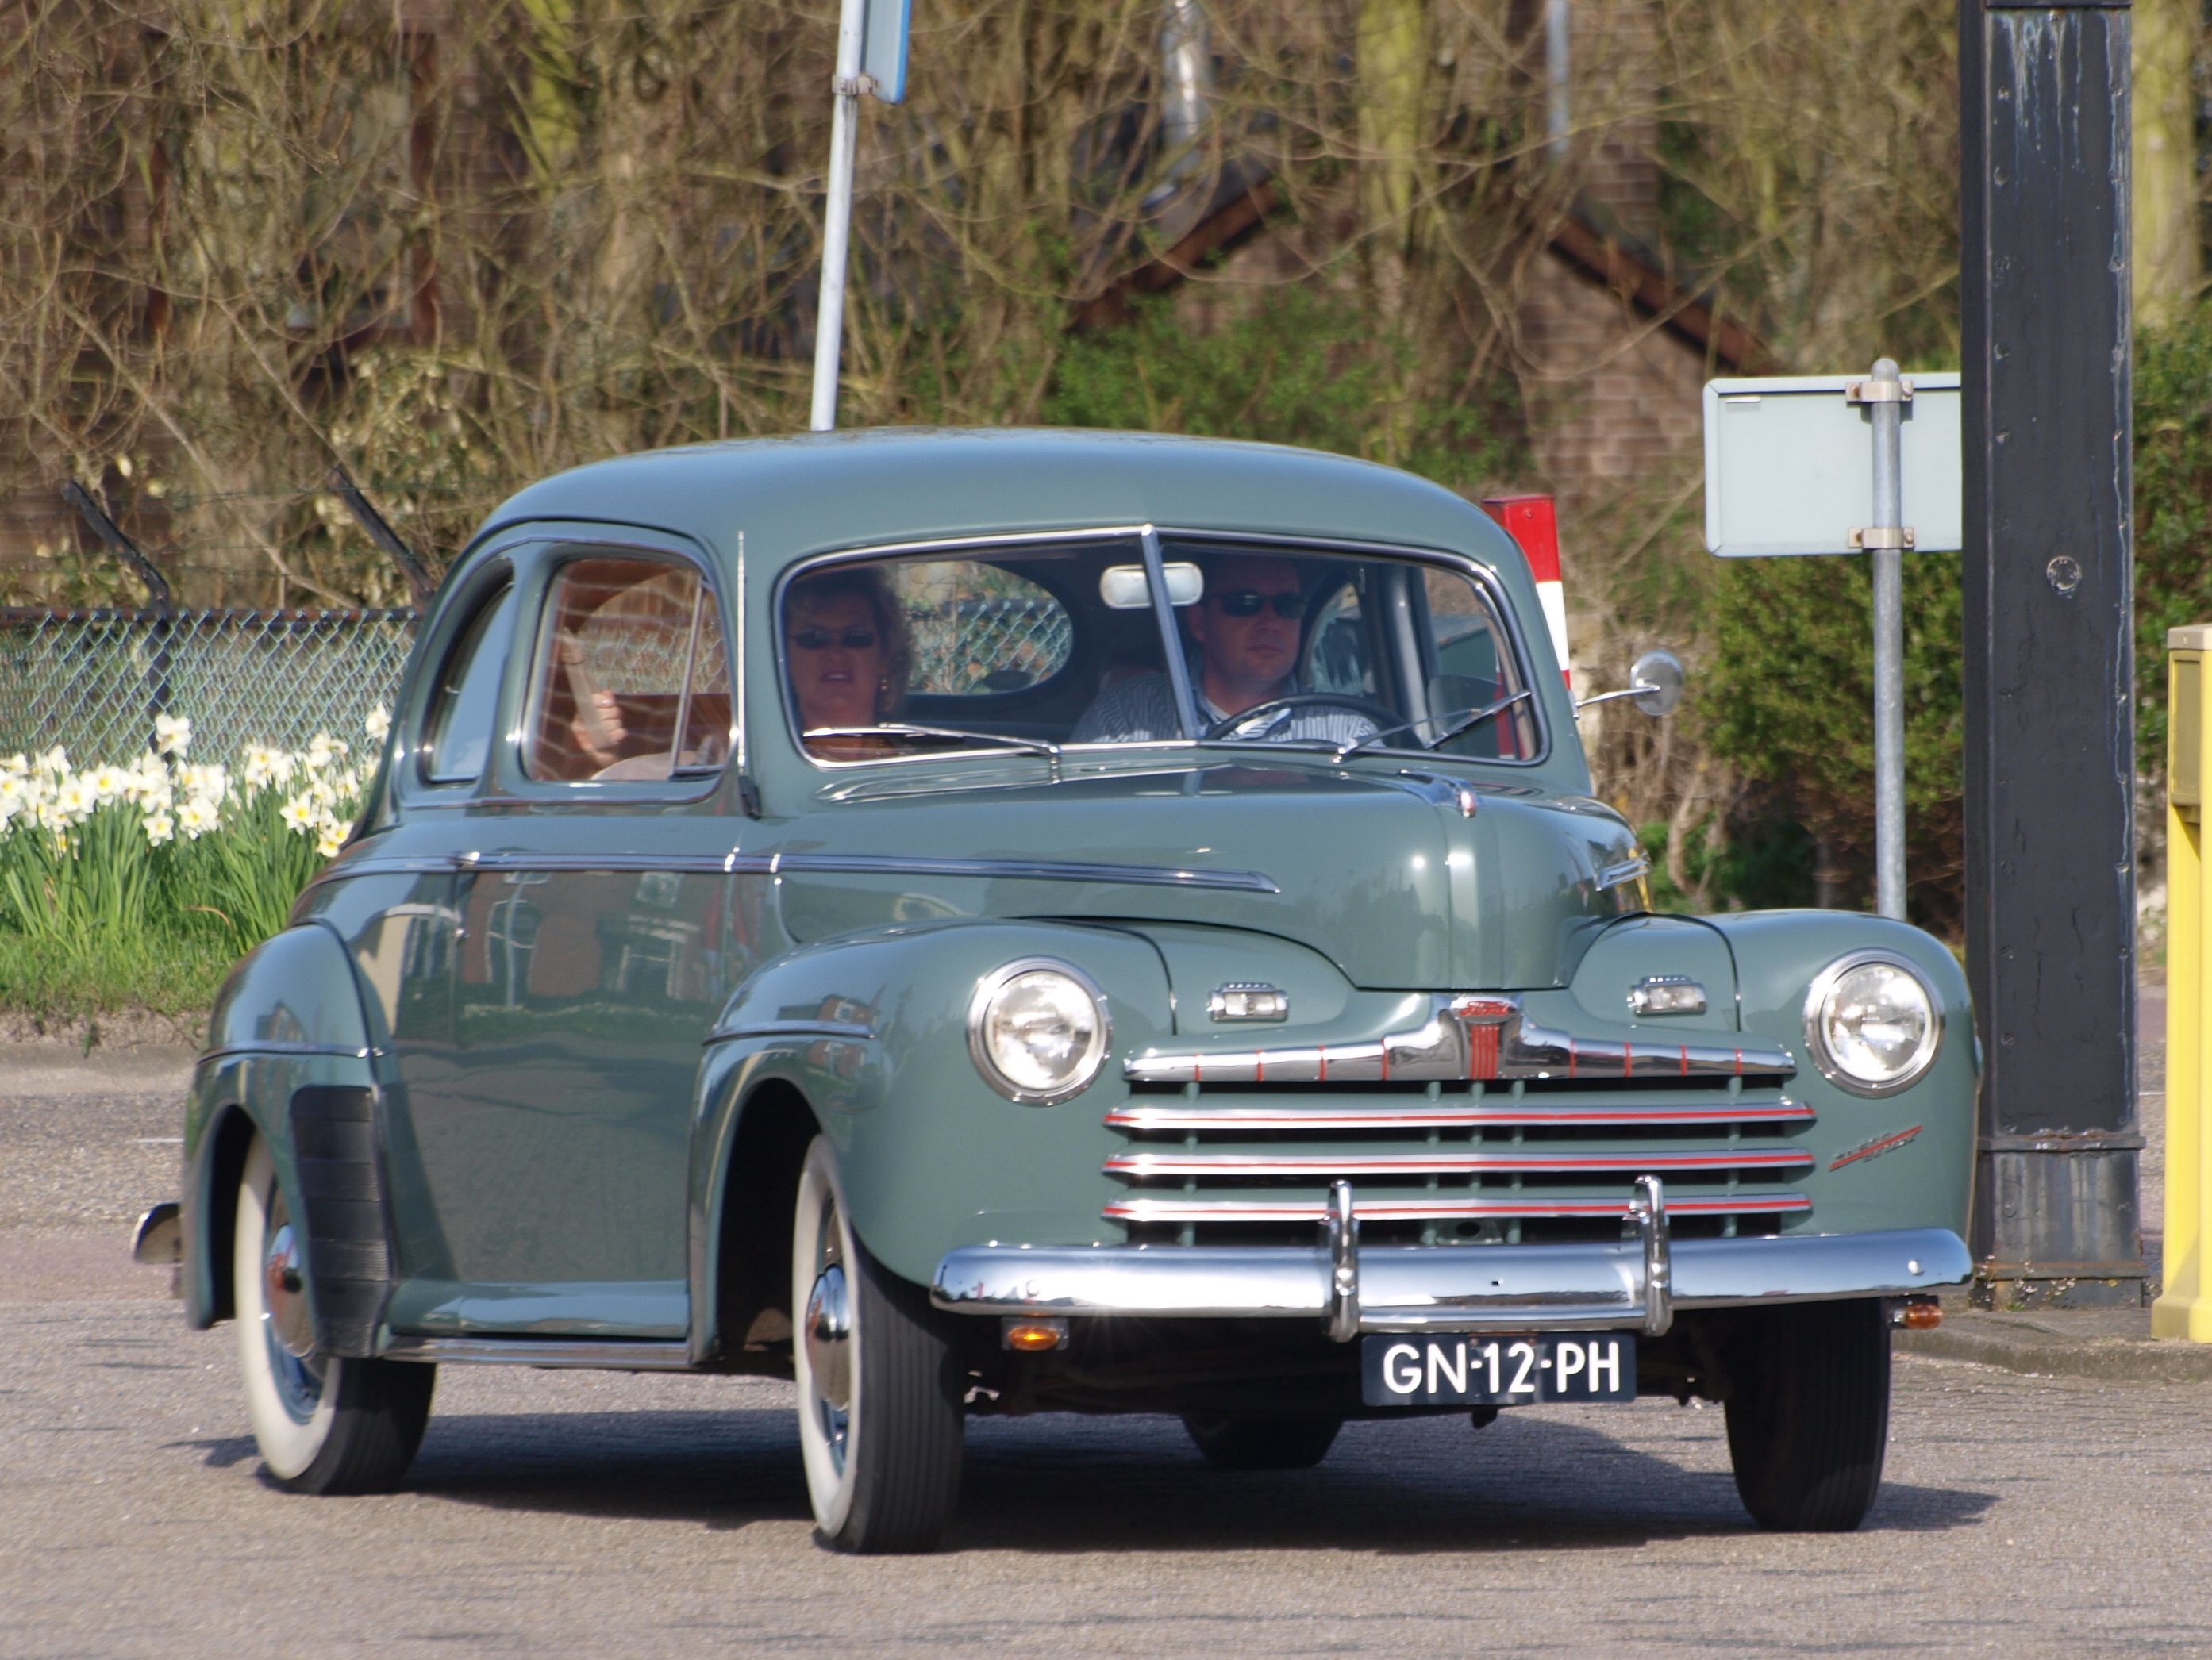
x,y
92,680
971,645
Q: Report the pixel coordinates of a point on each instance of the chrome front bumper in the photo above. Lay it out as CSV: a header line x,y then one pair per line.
x,y
1564,1287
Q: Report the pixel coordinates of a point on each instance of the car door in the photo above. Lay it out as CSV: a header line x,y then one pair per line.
x,y
598,940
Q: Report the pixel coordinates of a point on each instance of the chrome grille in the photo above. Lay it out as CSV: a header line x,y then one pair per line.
x,y
1484,1161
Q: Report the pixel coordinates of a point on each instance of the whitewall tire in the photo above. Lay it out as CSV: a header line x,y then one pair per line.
x,y
323,1424
880,1418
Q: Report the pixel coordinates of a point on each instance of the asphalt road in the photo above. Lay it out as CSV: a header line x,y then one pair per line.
x,y
586,1513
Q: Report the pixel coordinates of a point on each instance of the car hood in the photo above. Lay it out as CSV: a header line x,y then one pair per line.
x,y
1403,880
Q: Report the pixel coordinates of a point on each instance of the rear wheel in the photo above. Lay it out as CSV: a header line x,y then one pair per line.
x,y
880,1419
323,1424
1808,1415
1264,1443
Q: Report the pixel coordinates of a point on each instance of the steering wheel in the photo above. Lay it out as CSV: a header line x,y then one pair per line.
x,y
1375,712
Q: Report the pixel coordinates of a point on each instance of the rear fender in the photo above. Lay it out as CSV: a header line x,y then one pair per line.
x,y
289,1049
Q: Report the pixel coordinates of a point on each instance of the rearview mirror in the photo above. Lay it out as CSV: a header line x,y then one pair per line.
x,y
1123,587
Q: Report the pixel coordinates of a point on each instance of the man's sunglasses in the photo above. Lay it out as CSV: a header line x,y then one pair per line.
x,y
821,639
1246,602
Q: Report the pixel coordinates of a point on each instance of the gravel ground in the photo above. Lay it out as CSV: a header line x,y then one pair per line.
x,y
585,1514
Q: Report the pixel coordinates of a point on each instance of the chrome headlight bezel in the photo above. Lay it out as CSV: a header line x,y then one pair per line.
x,y
1824,987
1093,1059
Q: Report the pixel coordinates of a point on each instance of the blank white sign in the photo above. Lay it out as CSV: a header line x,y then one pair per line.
x,y
1789,465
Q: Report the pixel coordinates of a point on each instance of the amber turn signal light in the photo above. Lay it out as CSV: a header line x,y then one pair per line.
x,y
1032,1337
1921,1314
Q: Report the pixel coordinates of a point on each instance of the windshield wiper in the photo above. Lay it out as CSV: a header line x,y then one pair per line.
x,y
1474,719
1026,746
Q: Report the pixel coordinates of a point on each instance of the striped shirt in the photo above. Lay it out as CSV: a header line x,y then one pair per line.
x,y
1142,709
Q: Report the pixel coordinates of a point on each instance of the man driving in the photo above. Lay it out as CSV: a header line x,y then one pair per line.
x,y
1247,634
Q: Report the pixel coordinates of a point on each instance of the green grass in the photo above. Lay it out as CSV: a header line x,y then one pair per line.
x,y
80,979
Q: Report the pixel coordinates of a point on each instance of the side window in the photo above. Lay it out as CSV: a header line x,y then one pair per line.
x,y
1337,655
1473,667
977,629
458,735
632,683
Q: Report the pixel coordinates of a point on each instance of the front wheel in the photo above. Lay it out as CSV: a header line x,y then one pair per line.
x,y
880,1419
1808,1415
1264,1443
323,1424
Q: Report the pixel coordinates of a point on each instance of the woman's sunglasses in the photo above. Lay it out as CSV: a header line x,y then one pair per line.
x,y
821,639
1246,602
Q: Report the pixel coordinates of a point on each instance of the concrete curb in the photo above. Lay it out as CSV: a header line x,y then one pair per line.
x,y
1997,1340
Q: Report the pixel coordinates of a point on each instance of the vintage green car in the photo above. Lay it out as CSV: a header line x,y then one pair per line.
x,y
991,921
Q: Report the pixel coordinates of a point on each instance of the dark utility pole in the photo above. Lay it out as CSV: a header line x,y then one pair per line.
x,y
2049,711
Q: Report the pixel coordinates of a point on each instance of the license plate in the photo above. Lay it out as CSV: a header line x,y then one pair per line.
x,y
1457,1370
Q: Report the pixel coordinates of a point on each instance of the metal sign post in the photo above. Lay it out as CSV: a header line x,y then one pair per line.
x,y
1885,540
872,37
1823,464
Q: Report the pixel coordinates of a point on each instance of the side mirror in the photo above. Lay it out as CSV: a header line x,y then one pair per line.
x,y
1655,683
1655,680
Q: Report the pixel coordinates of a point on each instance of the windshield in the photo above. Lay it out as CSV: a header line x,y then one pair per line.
x,y
1048,645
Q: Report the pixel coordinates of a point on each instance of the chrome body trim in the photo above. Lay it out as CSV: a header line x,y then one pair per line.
x,y
735,863
1537,1288
844,1029
276,1047
1466,1037
1176,1208
1141,1162
867,864
607,1354
1628,870
1190,1118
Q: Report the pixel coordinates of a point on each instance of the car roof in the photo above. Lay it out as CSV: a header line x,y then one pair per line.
x,y
791,497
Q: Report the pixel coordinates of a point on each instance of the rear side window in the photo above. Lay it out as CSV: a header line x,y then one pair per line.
x,y
631,683
458,735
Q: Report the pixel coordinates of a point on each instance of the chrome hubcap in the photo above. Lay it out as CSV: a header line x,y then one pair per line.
x,y
284,1291
287,1327
828,1338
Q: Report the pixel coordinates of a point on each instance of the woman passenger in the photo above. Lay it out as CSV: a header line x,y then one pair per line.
x,y
849,654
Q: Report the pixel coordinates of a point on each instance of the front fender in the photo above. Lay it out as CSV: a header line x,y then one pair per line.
x,y
870,1029
288,1020
1895,1161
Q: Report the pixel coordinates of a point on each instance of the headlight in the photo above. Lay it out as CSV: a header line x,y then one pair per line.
x,y
1038,1031
1874,1025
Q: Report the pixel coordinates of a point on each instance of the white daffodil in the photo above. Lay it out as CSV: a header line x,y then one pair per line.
x,y
330,839
54,762
173,734
106,783
73,800
16,766
300,813
159,828
323,749
196,817
210,783
378,724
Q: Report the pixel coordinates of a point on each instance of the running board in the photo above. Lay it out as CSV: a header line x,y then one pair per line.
x,y
604,1354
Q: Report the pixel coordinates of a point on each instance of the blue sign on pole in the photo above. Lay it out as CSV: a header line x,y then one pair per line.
x,y
882,50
